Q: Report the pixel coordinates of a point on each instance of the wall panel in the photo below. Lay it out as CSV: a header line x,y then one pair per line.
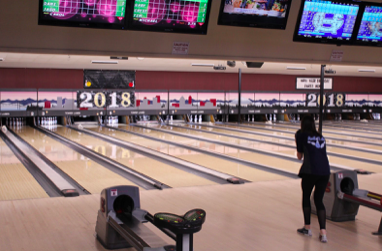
x,y
153,80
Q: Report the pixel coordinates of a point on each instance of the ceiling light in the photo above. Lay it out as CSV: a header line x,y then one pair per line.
x,y
366,70
203,65
104,62
296,68
140,58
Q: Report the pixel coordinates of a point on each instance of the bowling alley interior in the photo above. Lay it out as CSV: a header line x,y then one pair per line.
x,y
171,125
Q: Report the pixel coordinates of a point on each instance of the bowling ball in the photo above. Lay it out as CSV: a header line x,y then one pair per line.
x,y
4,129
347,186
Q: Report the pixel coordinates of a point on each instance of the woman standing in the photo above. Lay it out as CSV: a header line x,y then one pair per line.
x,y
314,172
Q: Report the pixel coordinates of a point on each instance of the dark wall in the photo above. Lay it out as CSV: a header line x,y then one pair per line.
x,y
152,80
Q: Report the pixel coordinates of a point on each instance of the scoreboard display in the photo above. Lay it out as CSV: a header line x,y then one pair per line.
x,y
171,15
371,25
105,99
83,13
330,20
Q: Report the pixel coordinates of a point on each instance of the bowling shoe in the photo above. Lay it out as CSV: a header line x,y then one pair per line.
x,y
305,231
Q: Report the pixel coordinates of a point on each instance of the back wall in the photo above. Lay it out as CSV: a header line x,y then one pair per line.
x,y
153,80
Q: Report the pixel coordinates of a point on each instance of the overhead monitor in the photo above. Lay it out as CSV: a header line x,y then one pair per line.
x,y
109,14
189,16
272,14
370,29
326,21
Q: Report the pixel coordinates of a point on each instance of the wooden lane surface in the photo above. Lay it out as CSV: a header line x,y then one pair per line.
x,y
363,126
255,145
15,180
291,142
287,133
256,157
325,129
251,156
89,174
362,144
253,216
162,172
211,162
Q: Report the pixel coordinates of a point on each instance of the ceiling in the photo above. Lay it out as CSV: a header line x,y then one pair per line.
x,y
29,60
25,44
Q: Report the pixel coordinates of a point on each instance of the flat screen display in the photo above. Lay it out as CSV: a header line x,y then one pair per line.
x,y
255,13
189,16
327,21
83,13
370,30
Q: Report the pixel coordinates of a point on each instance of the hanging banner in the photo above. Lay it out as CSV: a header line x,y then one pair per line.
x,y
109,79
313,83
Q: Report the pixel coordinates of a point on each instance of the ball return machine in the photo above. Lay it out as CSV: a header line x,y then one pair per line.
x,y
121,223
343,198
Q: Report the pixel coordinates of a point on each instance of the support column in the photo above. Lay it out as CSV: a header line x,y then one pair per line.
x,y
321,98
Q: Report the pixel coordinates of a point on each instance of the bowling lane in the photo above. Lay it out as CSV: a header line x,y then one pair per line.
x,y
354,125
281,141
326,130
162,172
270,148
291,142
291,132
89,174
361,142
249,156
16,182
206,160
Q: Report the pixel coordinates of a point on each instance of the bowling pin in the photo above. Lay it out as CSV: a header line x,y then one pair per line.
x,y
274,117
171,118
190,118
253,118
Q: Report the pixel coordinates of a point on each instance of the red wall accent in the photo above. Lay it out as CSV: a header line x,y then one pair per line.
x,y
250,82
41,78
155,80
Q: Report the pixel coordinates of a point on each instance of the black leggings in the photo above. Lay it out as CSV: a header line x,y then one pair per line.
x,y
319,182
